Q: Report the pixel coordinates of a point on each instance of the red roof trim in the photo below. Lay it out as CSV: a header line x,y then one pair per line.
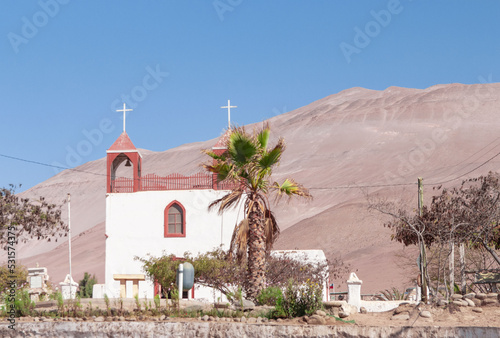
x,y
222,142
123,142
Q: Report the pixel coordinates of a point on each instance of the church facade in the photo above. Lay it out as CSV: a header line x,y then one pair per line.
x,y
153,215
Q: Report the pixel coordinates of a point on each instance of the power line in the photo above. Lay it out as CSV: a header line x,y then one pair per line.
x,y
73,169
363,186
471,156
479,166
50,165
314,188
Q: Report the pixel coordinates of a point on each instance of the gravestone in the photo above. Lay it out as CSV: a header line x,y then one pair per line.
x,y
37,281
68,288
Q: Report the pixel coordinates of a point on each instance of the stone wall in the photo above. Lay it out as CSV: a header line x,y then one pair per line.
x,y
204,329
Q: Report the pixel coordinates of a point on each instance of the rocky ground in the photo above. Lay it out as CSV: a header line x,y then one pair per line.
x,y
471,310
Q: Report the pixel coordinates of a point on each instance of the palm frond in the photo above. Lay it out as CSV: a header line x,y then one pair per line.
x,y
227,201
263,136
273,157
212,154
291,188
271,229
222,169
239,241
241,148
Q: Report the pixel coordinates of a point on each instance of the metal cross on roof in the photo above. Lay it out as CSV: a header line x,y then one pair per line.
x,y
229,112
124,110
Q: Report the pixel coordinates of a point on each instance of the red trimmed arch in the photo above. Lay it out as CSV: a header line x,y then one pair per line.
x,y
179,225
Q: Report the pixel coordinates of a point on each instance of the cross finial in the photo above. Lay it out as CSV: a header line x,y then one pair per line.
x,y
124,110
229,112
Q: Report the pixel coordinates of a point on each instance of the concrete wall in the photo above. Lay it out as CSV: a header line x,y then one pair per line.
x,y
354,298
382,306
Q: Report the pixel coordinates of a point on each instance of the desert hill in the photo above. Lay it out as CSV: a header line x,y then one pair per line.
x,y
342,147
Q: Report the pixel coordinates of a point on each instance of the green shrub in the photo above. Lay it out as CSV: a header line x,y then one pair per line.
x,y
106,301
269,296
7,277
22,303
236,296
137,302
57,296
174,293
299,299
393,294
157,302
86,285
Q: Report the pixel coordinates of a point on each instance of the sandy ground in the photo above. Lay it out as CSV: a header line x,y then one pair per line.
x,y
451,316
440,317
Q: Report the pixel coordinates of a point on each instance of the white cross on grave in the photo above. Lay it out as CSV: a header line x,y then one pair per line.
x,y
124,110
229,112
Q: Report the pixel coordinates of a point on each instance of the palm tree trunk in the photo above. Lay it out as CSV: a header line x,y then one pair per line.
x,y
256,252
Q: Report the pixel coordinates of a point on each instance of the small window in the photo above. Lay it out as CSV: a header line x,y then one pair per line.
x,y
175,220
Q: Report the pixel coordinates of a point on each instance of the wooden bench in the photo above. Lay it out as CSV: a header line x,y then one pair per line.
x,y
124,278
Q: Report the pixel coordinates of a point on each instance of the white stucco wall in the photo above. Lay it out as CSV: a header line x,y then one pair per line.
x,y
135,227
383,306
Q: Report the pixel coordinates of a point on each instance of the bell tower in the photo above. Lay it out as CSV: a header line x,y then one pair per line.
x,y
220,148
123,150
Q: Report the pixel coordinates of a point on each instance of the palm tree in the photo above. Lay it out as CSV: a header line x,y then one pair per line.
x,y
248,163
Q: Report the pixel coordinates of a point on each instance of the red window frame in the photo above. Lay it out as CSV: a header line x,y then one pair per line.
x,y
183,223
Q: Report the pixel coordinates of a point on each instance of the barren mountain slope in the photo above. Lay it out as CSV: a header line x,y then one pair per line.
x,y
343,146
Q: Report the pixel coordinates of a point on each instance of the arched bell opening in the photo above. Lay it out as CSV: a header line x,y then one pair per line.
x,y
123,173
122,167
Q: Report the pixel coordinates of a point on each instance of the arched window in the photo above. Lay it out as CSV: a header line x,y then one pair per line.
x,y
175,220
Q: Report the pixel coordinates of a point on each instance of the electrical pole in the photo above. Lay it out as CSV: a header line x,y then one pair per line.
x,y
69,232
423,259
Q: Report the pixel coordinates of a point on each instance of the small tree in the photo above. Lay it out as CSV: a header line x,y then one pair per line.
x,y
86,285
468,214
477,213
20,274
212,269
22,219
162,270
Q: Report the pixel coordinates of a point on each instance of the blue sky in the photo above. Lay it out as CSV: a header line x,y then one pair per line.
x,y
66,65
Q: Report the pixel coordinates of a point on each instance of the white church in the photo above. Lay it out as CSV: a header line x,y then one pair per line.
x,y
153,215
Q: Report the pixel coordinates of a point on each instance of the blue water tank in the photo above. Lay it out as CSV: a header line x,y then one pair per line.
x,y
188,276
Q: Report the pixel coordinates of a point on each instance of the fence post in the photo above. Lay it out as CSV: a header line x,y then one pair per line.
x,y
354,290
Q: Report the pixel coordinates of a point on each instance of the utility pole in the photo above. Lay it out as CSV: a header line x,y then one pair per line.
x,y
69,232
423,258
